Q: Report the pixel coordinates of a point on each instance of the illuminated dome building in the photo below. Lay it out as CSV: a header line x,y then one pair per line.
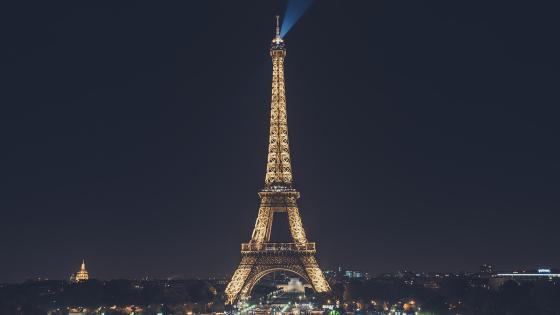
x,y
81,275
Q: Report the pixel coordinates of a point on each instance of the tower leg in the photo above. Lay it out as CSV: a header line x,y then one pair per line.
x,y
239,278
316,276
296,227
263,225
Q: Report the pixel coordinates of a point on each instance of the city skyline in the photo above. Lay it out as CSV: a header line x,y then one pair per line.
x,y
424,136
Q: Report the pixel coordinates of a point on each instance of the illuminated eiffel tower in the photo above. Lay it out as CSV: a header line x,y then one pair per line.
x,y
260,257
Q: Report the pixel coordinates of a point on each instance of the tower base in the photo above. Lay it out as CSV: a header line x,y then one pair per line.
x,y
257,264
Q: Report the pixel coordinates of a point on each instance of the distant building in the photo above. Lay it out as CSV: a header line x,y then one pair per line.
x,y
342,275
431,284
487,269
525,276
293,286
81,275
353,274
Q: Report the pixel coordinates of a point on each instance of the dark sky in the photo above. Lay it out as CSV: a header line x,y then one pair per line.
x,y
424,134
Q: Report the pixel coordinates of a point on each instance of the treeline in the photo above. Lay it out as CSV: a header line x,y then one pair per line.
x,y
454,296
38,297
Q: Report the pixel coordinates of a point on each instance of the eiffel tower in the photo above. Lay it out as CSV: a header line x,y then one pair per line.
x,y
260,257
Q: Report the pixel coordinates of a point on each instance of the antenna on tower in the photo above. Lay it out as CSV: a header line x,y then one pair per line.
x,y
277,26
277,39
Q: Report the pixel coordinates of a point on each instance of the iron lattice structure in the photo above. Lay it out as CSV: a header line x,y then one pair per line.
x,y
260,257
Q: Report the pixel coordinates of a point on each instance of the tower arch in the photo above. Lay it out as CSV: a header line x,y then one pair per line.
x,y
254,280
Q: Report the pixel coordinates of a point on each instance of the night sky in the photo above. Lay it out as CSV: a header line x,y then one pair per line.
x,y
424,134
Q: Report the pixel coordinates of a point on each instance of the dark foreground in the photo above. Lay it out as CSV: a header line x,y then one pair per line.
x,y
386,294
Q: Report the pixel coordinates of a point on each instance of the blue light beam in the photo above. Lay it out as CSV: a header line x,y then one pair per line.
x,y
294,11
